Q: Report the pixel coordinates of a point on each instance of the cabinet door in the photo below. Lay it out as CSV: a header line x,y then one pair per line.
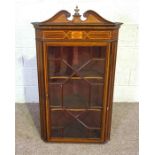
x,y
76,86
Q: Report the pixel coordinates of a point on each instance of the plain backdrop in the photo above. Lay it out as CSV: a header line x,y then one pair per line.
x,y
146,75
27,11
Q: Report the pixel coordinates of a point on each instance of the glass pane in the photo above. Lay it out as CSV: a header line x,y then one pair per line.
x,y
95,68
76,56
62,58
96,95
54,52
73,124
59,68
75,77
98,52
76,94
55,96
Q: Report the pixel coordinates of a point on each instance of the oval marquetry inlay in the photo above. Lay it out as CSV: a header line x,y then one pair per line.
x,y
76,35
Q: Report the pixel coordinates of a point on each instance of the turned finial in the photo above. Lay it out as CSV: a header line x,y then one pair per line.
x,y
76,11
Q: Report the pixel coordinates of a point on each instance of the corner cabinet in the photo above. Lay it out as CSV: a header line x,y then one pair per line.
x,y
76,66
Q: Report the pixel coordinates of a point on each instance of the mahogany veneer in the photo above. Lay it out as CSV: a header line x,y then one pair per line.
x,y
76,66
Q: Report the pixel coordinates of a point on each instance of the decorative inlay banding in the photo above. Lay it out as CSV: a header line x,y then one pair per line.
x,y
54,34
99,35
81,35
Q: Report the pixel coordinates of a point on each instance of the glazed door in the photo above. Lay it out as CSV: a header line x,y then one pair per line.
x,y
75,88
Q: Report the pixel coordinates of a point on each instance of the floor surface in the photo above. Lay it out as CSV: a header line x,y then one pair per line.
x,y
124,134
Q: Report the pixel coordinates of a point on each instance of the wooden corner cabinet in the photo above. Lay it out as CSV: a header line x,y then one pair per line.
x,y
76,66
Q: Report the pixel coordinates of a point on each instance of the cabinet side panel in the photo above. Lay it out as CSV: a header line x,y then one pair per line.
x,y
106,79
113,54
40,67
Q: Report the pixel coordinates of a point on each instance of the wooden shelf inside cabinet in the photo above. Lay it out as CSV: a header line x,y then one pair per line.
x,y
75,78
76,66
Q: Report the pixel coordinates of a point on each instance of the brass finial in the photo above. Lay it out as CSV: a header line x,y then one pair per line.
x,y
76,11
